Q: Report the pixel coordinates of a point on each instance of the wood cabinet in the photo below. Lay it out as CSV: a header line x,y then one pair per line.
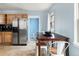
x,y
8,37
10,18
2,18
0,37
21,15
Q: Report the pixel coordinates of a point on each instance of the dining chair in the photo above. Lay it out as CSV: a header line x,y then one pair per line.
x,y
58,48
43,51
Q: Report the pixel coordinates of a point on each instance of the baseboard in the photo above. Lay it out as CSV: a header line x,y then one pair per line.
x,y
19,44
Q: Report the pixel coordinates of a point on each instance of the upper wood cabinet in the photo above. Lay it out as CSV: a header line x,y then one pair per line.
x,y
11,17
2,18
8,18
21,15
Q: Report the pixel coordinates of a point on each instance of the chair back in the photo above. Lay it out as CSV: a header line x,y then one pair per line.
x,y
61,47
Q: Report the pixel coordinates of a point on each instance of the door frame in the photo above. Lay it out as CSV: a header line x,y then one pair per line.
x,y
38,24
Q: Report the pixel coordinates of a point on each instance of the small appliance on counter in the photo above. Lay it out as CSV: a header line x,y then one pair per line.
x,y
47,33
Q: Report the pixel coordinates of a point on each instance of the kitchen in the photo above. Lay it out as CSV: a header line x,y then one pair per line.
x,y
12,29
17,35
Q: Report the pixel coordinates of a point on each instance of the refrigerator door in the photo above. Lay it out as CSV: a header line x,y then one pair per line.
x,y
22,24
15,23
15,31
22,36
15,38
22,31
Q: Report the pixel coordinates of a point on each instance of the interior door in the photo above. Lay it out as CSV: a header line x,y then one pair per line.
x,y
33,28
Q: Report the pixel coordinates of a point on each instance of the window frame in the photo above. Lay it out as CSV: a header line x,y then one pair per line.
x,y
76,18
50,15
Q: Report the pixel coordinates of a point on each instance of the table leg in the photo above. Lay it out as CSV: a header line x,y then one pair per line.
x,y
38,50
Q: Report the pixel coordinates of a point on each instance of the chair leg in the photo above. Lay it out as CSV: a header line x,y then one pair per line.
x,y
36,50
45,50
39,52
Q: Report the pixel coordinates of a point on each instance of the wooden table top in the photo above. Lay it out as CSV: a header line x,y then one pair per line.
x,y
57,37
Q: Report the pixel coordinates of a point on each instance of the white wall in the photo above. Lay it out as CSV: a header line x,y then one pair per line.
x,y
64,21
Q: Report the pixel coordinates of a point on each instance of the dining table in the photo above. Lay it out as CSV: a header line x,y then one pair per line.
x,y
56,37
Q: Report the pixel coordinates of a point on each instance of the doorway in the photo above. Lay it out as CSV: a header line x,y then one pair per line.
x,y
33,28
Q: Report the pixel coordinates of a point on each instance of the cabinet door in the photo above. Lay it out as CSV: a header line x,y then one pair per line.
x,y
24,16
8,37
2,18
0,37
10,18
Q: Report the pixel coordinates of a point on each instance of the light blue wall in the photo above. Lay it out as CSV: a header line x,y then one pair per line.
x,y
64,22
43,18
41,14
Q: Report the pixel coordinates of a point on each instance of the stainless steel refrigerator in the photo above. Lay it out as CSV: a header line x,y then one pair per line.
x,y
20,36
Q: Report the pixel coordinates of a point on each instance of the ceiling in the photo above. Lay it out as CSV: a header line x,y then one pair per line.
x,y
26,6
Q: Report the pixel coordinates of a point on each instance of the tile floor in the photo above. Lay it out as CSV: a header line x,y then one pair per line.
x,y
29,50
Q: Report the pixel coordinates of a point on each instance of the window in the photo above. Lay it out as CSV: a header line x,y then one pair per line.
x,y
51,22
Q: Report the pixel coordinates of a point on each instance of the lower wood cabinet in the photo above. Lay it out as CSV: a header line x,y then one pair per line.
x,y
6,38
0,37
